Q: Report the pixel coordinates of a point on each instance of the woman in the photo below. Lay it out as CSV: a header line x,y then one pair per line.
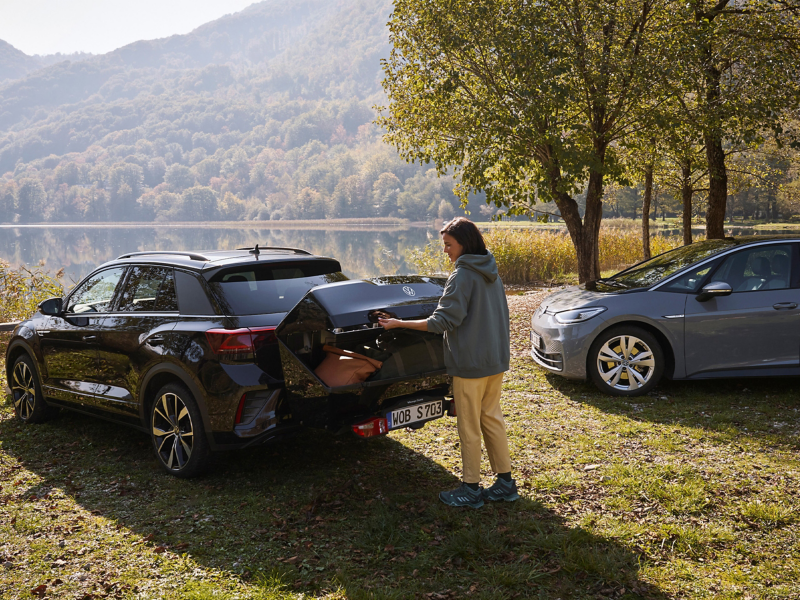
x,y
473,317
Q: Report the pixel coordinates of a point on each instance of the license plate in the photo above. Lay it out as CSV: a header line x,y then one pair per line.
x,y
402,417
536,340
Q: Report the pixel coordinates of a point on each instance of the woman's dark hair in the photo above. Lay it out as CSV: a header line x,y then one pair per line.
x,y
465,233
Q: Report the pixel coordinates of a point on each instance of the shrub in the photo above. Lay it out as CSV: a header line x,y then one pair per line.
x,y
526,255
21,290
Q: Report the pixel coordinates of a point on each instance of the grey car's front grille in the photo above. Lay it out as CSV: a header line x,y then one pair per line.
x,y
548,355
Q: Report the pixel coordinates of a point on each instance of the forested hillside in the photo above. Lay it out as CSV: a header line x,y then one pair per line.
x,y
264,114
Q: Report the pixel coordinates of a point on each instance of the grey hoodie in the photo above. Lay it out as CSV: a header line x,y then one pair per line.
x,y
473,316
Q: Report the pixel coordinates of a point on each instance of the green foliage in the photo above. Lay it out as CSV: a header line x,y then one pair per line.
x,y
21,290
264,139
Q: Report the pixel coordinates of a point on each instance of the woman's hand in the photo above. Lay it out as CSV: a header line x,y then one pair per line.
x,y
421,325
390,323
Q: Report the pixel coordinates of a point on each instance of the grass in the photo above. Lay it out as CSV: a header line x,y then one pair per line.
x,y
691,492
527,255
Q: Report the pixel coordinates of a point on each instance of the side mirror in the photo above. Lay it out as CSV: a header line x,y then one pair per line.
x,y
714,289
51,307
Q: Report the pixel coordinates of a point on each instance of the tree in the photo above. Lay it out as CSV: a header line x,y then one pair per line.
x,y
384,193
179,178
735,76
199,203
526,101
31,198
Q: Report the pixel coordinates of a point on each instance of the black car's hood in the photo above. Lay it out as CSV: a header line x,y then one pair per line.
x,y
357,303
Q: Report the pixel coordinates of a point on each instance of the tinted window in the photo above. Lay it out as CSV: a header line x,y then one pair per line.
x,y
149,289
691,281
761,268
654,270
270,288
95,294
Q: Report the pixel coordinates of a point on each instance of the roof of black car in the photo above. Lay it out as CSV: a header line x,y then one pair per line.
x,y
214,259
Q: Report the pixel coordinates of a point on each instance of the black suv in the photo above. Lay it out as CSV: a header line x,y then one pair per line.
x,y
217,350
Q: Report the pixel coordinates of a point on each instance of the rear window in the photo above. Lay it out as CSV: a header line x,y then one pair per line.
x,y
270,288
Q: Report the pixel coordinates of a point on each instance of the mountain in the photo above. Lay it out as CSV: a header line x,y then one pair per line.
x,y
262,114
15,64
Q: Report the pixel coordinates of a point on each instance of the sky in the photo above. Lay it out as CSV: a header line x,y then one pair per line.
x,y
99,26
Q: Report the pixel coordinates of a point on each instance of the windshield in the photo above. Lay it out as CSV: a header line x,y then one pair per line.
x,y
270,288
654,270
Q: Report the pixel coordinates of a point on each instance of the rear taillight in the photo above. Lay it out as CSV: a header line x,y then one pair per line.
x,y
239,343
371,427
238,418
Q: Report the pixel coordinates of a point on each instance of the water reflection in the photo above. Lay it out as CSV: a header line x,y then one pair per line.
x,y
362,252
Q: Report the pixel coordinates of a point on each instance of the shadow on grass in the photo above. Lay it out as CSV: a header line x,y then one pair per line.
x,y
321,513
762,410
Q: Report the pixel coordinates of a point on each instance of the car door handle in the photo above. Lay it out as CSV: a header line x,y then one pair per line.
x,y
155,340
89,338
784,305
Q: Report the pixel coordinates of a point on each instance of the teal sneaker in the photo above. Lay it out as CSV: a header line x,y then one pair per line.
x,y
502,490
463,496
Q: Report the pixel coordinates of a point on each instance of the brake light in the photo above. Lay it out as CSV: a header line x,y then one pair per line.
x,y
239,343
239,410
262,336
371,427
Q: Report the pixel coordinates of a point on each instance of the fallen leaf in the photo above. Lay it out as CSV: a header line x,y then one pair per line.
x,y
39,590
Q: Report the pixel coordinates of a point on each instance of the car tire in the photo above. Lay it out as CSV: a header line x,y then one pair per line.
x,y
626,361
26,392
176,428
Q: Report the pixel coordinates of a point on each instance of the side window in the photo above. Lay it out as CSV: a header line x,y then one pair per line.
x,y
148,289
757,269
96,293
690,282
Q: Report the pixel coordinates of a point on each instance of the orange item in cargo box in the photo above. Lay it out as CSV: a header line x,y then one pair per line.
x,y
342,367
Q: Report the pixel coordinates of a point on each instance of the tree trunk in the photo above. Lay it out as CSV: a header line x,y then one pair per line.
x,y
589,255
717,187
686,194
585,234
648,197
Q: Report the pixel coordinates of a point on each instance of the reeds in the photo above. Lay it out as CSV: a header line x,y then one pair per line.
x,y
21,290
526,256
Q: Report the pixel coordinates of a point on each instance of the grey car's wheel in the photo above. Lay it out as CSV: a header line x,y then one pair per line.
x,y
29,403
176,429
626,361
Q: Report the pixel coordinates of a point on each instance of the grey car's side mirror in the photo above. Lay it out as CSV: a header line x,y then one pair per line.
x,y
51,307
714,289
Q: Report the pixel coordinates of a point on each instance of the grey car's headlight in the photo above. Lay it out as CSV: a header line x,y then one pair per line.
x,y
579,315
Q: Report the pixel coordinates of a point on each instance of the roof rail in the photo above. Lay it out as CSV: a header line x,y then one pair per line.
x,y
260,248
192,255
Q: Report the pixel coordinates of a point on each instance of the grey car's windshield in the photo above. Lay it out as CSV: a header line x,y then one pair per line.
x,y
654,270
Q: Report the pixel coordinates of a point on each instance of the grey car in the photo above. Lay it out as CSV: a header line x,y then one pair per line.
x,y
713,309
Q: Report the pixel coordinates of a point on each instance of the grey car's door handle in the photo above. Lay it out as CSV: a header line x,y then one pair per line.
x,y
784,305
155,340
89,338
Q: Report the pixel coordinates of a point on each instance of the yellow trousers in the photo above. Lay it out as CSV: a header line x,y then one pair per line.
x,y
478,410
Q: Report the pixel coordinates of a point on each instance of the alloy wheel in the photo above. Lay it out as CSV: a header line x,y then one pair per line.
x,y
172,431
626,363
23,389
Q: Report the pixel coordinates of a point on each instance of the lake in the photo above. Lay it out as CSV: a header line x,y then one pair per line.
x,y
364,251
